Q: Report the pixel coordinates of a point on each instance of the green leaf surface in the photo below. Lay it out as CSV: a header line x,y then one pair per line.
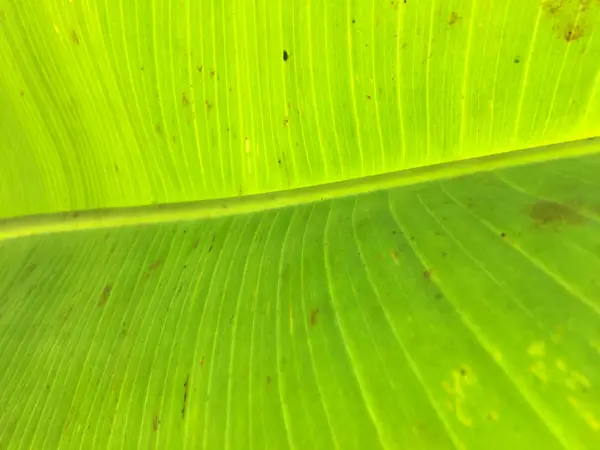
x,y
458,313
112,103
304,224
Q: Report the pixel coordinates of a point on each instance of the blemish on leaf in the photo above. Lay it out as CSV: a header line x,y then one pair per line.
x,y
202,362
153,267
561,365
285,55
537,349
155,422
427,274
195,244
185,396
573,33
211,243
539,370
200,68
585,413
208,105
74,37
184,100
503,234
213,73
394,254
578,382
454,17
268,380
314,317
104,295
517,59
547,213
492,416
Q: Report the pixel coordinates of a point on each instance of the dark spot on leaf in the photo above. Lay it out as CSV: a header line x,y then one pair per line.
x,y
213,73
195,244
22,94
74,38
268,379
503,234
158,128
104,295
573,33
517,59
155,422
185,396
551,213
202,362
184,100
453,18
285,55
153,267
368,97
211,244
208,105
353,21
200,68
314,317
116,168
285,121
463,372
427,274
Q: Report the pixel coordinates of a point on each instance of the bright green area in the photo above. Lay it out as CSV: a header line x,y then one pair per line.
x,y
123,103
460,313
305,224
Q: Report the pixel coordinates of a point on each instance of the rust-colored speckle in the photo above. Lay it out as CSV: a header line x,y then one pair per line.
x,y
155,422
195,244
314,317
153,267
546,213
454,17
573,33
184,100
74,37
427,274
104,295
202,362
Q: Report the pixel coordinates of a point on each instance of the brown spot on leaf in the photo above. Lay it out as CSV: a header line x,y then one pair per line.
x,y
153,267
202,362
573,33
208,105
195,244
314,317
155,422
394,254
453,18
184,100
427,274
268,380
74,38
185,396
104,295
546,213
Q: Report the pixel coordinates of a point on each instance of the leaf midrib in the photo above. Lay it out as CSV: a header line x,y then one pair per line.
x,y
203,209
